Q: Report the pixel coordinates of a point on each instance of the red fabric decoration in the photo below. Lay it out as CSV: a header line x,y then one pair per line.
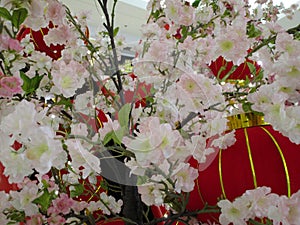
x,y
241,72
270,152
37,37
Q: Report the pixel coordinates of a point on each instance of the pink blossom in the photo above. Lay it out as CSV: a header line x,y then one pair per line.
x,y
56,220
4,203
36,18
293,132
180,13
159,51
8,43
278,213
286,43
79,206
10,86
225,140
197,145
62,204
59,35
23,200
260,200
56,12
64,78
232,41
233,212
184,175
37,219
150,194
154,143
294,208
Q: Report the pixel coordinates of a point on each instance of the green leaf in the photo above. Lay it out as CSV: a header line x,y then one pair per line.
x,y
14,215
4,13
123,115
252,31
247,107
184,32
44,200
77,191
252,68
104,185
142,180
116,30
119,134
156,14
1,26
26,82
196,3
115,136
65,101
228,74
108,137
30,84
19,16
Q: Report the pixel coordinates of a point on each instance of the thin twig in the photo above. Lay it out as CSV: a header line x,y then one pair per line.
x,y
110,29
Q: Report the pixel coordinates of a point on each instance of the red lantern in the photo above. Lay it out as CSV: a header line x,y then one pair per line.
x,y
261,156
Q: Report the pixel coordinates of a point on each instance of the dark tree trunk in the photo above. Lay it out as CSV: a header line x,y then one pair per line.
x,y
132,205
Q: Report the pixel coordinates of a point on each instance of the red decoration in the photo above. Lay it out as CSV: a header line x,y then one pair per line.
x,y
37,37
4,184
260,157
241,72
139,95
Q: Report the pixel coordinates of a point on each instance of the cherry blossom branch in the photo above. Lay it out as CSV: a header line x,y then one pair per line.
x,y
91,47
174,217
109,25
190,117
272,39
2,68
90,44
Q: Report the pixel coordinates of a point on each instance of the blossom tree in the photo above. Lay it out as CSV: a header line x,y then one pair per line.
x,y
83,141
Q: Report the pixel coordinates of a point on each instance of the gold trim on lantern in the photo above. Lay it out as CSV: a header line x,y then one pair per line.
x,y
202,199
245,120
288,182
199,192
92,196
221,175
250,158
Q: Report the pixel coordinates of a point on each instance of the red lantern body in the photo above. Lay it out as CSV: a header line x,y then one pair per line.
x,y
261,156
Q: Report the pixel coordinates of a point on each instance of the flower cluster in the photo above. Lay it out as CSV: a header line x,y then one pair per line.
x,y
259,204
52,177
282,107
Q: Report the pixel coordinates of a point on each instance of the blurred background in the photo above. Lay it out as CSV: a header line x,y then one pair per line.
x,y
131,14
